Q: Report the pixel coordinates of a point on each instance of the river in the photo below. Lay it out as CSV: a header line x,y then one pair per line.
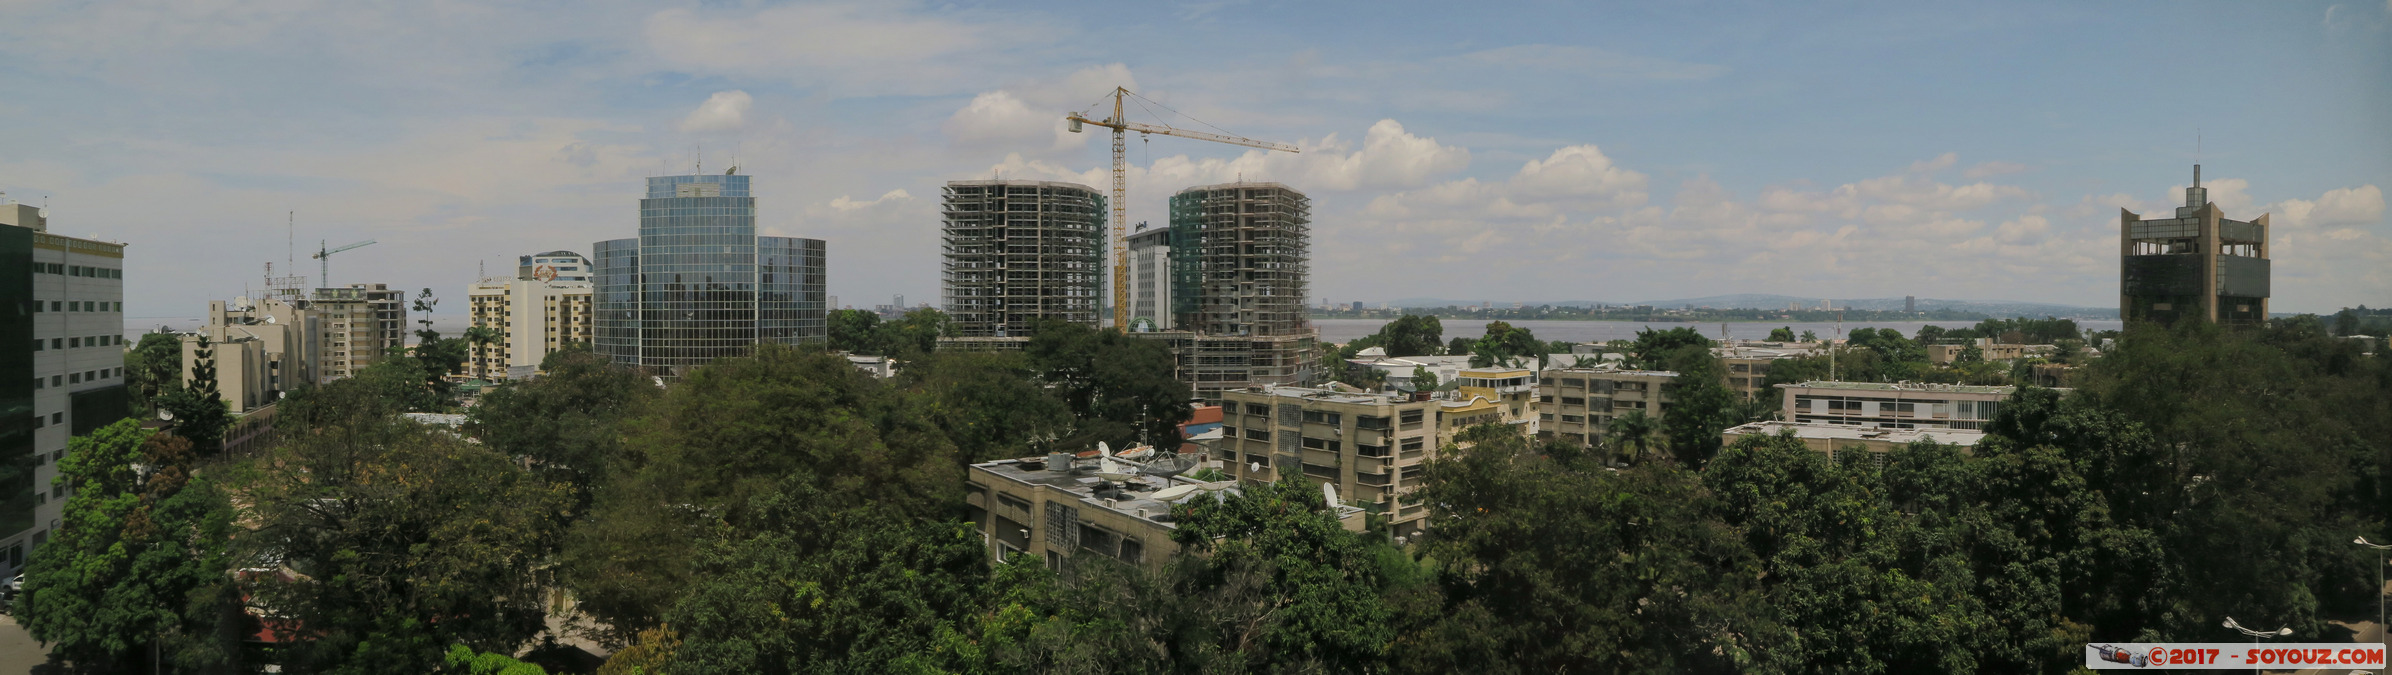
x,y
1347,330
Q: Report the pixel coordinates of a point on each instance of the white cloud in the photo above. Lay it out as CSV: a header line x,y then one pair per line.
x,y
1939,163
845,204
724,111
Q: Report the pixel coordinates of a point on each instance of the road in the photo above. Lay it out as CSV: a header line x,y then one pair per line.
x,y
18,652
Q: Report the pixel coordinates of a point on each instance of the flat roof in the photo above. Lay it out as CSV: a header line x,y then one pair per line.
x,y
1959,437
1612,371
1331,395
1923,387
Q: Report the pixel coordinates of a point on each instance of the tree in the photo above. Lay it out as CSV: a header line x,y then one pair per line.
x,y
1312,589
1656,348
1460,346
1552,565
728,434
1785,334
1423,380
1407,335
464,661
568,421
854,330
1633,430
1809,336
1700,405
989,404
1503,344
409,538
809,584
1124,385
153,369
140,559
199,411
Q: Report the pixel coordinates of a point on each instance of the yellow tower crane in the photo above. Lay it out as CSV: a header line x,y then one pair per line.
x,y
1121,126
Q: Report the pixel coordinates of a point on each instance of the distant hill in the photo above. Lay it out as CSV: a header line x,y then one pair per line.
x,y
1771,301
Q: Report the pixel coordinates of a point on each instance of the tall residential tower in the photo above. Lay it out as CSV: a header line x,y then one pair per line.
x,y
698,284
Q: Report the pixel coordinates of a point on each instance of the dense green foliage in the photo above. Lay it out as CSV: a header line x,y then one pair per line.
x,y
1507,345
140,558
1120,388
153,369
1408,335
787,513
915,333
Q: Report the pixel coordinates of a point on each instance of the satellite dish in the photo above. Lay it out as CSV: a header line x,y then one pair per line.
x,y
166,415
269,318
1329,494
1101,450
1253,467
1175,492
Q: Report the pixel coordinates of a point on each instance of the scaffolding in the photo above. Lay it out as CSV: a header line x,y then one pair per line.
x,y
1239,255
1017,252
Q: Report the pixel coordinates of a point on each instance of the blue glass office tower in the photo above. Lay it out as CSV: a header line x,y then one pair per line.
x,y
698,284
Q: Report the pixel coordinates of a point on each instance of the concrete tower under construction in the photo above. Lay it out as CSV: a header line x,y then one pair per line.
x,y
1017,252
1239,255
2197,264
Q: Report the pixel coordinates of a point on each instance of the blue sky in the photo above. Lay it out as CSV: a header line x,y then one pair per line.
x,y
1528,151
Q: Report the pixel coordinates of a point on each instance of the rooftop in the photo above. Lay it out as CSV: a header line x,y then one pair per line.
x,y
1959,437
1332,396
1609,370
1144,497
2000,390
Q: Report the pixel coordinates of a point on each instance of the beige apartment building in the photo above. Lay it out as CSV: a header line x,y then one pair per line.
x,y
1748,365
1488,396
261,349
362,324
1578,404
1056,509
1369,446
1897,405
1846,443
534,317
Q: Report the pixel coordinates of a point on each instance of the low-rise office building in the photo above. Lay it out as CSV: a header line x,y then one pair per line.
x,y
1987,350
1578,404
1896,405
1844,442
1748,364
1369,446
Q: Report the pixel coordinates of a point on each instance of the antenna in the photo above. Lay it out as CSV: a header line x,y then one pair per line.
x,y
698,163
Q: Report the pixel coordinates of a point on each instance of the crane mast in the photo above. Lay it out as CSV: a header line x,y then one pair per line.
x,y
323,257
1121,127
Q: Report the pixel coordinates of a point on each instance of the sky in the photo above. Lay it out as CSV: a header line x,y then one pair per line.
x,y
1520,151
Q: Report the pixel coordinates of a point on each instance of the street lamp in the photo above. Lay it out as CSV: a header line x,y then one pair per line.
x,y
2256,635
2379,582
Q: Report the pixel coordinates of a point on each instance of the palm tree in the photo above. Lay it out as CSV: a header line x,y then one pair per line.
x,y
1634,429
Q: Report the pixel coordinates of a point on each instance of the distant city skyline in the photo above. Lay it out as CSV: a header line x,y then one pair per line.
x,y
1597,152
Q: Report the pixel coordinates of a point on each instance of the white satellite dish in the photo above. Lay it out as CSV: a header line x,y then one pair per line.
x,y
1175,492
1253,467
1101,450
1329,494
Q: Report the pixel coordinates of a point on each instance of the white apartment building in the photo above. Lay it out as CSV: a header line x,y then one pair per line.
x,y
61,365
1896,405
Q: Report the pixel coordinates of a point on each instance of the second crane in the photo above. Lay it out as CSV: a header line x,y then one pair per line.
x,y
1121,126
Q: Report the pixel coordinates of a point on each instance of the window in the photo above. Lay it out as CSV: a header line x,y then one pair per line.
x,y
1322,444
1259,434
1411,417
1319,417
40,383
74,378
1132,551
1258,409
74,342
54,304
1370,422
58,418
1573,401
1547,417
1412,444
1318,471
1573,419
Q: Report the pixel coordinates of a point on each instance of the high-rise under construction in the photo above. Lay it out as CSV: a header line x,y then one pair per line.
x,y
1017,252
1239,261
